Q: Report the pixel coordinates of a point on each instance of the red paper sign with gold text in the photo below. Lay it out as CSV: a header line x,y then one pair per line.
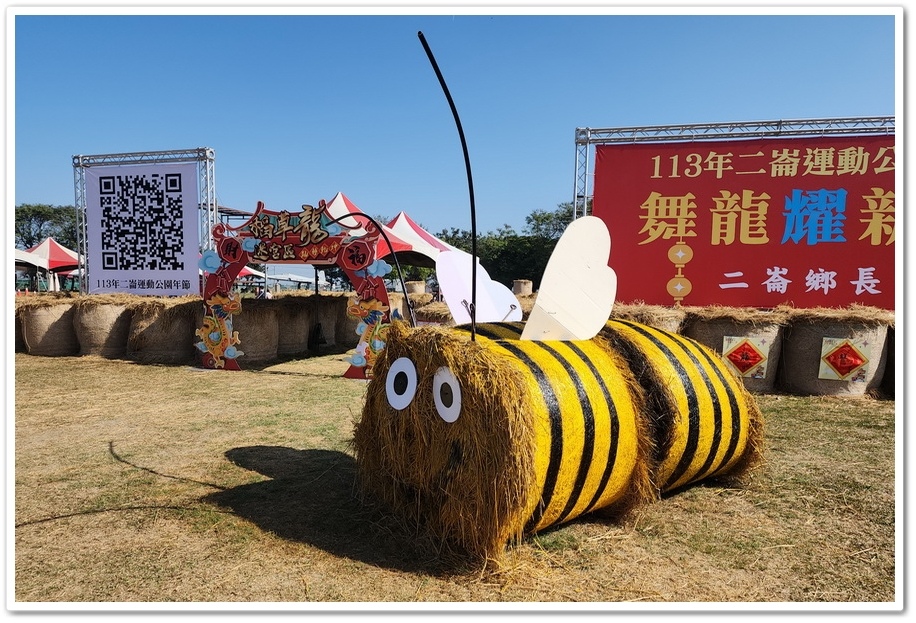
x,y
751,223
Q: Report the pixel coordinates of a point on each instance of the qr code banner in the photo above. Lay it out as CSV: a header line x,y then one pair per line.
x,y
142,226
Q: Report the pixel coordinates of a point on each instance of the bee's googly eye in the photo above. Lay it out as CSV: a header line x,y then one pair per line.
x,y
447,394
401,383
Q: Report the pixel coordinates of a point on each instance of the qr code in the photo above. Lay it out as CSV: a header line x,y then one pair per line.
x,y
142,222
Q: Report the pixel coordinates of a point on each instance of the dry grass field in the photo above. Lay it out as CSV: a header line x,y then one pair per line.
x,y
150,483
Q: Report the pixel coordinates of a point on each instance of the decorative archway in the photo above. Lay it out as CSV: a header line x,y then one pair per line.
x,y
311,236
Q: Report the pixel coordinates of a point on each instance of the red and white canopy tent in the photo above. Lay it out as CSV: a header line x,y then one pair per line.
x,y
413,245
58,257
422,247
53,258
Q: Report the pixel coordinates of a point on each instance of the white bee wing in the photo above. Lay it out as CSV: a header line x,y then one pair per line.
x,y
577,291
495,302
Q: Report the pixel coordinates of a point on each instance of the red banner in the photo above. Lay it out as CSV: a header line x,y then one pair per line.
x,y
751,223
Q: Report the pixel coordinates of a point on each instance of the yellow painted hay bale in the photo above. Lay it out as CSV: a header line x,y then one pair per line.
x,y
497,470
704,422
102,325
162,330
762,328
258,331
47,329
800,368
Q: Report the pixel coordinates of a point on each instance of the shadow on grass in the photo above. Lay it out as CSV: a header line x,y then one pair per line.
x,y
312,498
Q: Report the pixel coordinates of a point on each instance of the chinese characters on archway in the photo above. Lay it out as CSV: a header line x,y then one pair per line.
x,y
313,236
751,223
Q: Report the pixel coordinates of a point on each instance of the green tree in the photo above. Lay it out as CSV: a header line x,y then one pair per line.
x,y
36,221
549,225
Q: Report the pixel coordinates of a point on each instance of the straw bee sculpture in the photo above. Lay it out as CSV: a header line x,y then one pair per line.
x,y
484,442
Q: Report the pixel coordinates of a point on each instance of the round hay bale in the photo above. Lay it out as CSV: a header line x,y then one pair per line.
x,y
259,331
415,287
522,287
850,334
749,340
434,313
48,331
294,321
163,330
658,316
416,301
102,326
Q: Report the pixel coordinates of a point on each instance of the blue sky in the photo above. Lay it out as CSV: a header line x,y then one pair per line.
x,y
300,107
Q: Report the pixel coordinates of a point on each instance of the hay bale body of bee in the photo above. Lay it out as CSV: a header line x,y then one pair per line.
x,y
487,440
705,424
541,433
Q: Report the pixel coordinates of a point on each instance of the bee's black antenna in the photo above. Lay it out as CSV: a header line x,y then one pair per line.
x,y
472,308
